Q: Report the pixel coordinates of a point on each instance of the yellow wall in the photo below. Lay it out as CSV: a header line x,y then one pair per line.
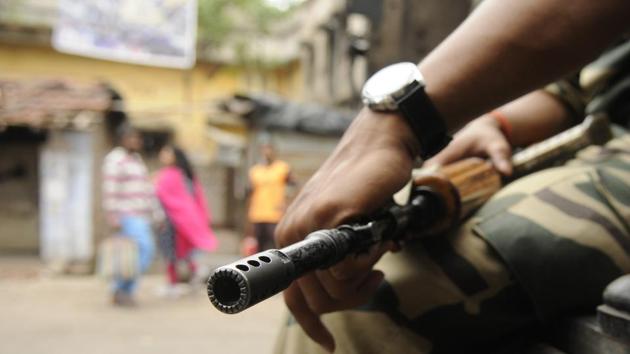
x,y
180,97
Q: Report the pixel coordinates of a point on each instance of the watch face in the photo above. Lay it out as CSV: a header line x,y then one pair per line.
x,y
383,90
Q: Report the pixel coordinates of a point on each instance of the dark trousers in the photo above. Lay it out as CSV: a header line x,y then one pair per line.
x,y
263,231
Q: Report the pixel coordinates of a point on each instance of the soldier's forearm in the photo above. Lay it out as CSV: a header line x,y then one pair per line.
x,y
508,48
534,117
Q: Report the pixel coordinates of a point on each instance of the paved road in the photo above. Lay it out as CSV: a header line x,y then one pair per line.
x,y
71,314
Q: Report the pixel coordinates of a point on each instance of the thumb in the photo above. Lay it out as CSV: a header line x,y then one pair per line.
x,y
453,152
500,154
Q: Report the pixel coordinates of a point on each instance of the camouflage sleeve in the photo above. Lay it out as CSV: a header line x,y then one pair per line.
x,y
599,86
547,225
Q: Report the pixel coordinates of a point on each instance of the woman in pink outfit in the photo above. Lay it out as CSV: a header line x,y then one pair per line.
x,y
182,198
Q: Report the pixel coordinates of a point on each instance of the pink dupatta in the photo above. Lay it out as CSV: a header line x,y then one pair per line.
x,y
186,211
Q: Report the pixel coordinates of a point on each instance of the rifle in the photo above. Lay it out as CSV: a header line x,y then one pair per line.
x,y
436,202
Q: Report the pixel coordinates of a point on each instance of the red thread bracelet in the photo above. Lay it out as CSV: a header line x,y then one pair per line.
x,y
504,123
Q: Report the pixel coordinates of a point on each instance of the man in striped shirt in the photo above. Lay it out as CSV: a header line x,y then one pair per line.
x,y
130,204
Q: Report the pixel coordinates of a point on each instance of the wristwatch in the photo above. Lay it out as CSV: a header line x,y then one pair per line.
x,y
400,88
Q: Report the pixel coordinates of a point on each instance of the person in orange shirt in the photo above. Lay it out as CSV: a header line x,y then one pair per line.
x,y
267,186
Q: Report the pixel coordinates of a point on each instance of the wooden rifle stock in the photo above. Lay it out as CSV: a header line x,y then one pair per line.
x,y
467,184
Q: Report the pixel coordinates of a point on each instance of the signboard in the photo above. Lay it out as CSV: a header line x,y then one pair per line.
x,y
149,32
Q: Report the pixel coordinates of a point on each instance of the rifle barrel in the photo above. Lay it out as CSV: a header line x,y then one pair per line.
x,y
237,286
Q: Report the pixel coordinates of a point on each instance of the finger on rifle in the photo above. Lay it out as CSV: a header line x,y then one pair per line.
x,y
308,320
351,292
317,298
499,153
451,153
352,265
341,289
285,232
367,289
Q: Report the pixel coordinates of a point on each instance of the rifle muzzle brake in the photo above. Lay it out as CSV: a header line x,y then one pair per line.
x,y
246,282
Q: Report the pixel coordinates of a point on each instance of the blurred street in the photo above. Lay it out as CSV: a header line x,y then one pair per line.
x,y
45,313
173,124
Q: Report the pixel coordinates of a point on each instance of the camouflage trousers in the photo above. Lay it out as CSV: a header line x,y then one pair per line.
x,y
545,245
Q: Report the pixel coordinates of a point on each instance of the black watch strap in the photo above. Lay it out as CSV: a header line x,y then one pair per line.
x,y
425,121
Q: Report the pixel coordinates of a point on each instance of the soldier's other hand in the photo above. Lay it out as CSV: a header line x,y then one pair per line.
x,y
481,137
372,161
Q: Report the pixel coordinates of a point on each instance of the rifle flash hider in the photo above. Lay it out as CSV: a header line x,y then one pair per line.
x,y
244,283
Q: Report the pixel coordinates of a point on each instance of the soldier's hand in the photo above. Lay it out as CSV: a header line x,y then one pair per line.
x,y
372,161
481,137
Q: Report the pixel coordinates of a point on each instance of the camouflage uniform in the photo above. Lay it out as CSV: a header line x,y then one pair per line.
x,y
544,245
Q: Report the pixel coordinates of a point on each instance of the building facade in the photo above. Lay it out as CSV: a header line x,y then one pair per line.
x,y
54,134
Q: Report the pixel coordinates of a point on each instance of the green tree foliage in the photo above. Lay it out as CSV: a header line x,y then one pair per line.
x,y
217,18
